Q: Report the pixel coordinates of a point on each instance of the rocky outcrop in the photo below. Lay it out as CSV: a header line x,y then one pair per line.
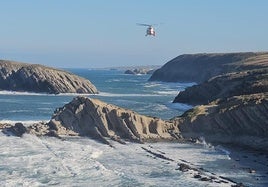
x,y
201,67
99,120
225,86
17,130
233,105
38,129
140,71
240,120
16,76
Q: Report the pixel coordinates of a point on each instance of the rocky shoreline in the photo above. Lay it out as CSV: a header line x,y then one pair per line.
x,y
231,97
223,122
239,120
98,120
232,108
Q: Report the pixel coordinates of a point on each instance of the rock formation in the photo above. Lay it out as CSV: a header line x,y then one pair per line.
x,y
141,71
16,76
38,129
240,120
225,86
233,105
201,67
232,94
99,120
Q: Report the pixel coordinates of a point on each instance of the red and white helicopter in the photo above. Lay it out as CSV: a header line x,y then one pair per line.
x,y
150,30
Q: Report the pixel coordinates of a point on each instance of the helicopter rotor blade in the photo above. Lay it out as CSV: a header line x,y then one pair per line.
x,y
142,24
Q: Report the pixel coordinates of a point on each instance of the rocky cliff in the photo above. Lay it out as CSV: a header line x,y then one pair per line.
x,y
201,67
16,76
99,120
225,86
240,120
232,94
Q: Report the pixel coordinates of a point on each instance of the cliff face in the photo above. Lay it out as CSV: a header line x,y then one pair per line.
x,y
225,86
99,120
232,94
201,67
16,76
240,120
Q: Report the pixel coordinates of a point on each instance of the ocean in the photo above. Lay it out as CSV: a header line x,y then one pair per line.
x,y
80,161
128,91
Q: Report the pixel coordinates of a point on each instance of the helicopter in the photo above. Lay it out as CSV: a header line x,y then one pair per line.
x,y
150,30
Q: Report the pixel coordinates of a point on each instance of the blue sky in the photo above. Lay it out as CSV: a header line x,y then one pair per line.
x,y
103,33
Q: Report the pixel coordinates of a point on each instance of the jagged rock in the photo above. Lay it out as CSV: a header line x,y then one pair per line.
x,y
240,120
184,167
225,86
38,129
99,120
201,67
17,130
15,76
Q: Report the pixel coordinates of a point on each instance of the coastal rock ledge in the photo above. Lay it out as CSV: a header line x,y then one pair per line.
x,y
238,120
99,120
16,76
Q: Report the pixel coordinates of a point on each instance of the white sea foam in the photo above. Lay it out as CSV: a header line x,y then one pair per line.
x,y
75,94
151,85
107,94
169,92
21,93
33,161
17,111
25,122
44,108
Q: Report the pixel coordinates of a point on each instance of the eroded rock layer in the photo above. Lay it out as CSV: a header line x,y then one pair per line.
x,y
239,120
201,67
225,86
99,120
15,76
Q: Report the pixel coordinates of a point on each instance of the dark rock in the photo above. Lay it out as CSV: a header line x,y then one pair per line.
x,y
205,179
15,76
157,155
52,133
184,167
197,176
17,130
